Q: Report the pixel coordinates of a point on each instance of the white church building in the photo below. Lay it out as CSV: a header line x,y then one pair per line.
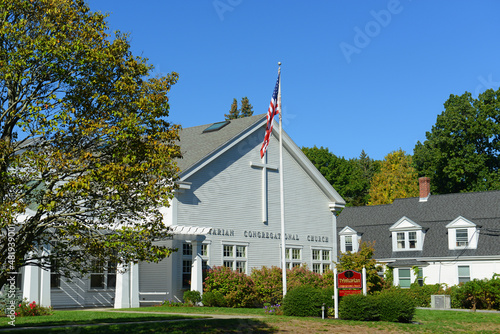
x,y
225,213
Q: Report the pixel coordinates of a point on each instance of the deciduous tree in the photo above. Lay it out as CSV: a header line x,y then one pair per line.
x,y
351,178
396,179
362,258
461,152
86,152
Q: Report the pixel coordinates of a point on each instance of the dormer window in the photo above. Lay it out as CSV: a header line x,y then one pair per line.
x,y
349,240
407,240
462,237
348,243
406,235
462,233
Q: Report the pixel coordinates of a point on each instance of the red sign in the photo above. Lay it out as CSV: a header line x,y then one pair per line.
x,y
350,279
348,292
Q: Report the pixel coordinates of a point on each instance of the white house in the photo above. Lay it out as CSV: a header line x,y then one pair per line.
x,y
450,238
226,213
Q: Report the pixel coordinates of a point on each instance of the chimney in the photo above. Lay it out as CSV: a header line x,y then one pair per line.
x,y
425,188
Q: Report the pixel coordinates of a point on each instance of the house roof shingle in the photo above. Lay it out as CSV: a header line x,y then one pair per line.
x,y
481,208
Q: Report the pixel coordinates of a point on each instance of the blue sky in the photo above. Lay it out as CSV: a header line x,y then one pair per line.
x,y
356,75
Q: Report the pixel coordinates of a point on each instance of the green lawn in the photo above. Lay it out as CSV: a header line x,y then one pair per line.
x,y
425,321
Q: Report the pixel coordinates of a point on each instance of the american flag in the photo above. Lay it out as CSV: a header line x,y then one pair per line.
x,y
274,109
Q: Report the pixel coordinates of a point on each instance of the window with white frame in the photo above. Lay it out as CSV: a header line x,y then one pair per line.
x,y
321,260
462,233
205,264
348,243
235,257
404,277
463,274
349,240
103,275
293,257
462,237
406,235
187,263
407,240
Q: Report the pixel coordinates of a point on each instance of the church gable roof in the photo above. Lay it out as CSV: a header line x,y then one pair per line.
x,y
196,145
199,148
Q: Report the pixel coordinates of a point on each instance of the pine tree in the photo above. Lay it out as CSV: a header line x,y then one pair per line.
x,y
246,108
233,112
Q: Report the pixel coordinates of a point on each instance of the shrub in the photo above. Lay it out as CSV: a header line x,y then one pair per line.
x,y
268,285
32,309
300,276
237,288
8,301
395,306
358,307
303,301
192,297
328,293
213,299
420,295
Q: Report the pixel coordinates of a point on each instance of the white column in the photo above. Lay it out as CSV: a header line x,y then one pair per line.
x,y
336,293
196,267
122,289
31,283
333,209
45,286
134,285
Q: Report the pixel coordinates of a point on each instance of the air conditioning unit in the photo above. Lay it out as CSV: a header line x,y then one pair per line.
x,y
440,301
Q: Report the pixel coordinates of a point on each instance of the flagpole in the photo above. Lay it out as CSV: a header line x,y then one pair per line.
x,y
282,197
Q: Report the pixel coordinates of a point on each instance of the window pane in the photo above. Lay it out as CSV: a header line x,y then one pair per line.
x,y
228,251
404,278
326,255
326,267
462,237
287,253
348,243
240,266
240,251
228,264
316,267
463,271
295,254
412,239
55,280
97,281
401,240
111,281
315,254
204,250
187,249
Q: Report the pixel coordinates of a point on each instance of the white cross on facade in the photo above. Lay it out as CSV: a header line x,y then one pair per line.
x,y
265,167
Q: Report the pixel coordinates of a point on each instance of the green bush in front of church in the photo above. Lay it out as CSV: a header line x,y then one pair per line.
x,y
304,301
395,306
358,307
264,285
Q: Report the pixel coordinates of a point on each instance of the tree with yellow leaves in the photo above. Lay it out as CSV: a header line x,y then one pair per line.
x,y
396,179
87,156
